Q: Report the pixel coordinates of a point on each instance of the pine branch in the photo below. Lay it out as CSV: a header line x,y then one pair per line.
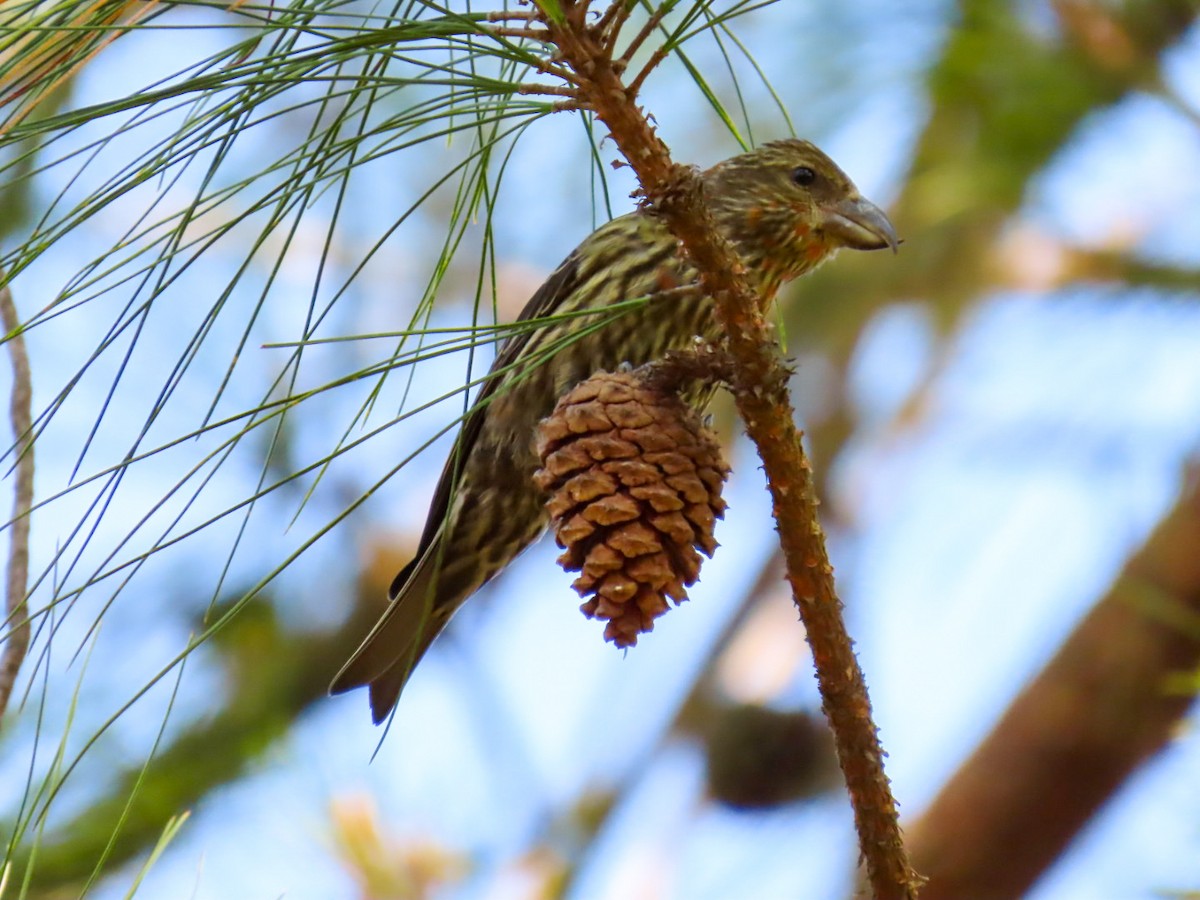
x,y
760,388
16,640
1101,708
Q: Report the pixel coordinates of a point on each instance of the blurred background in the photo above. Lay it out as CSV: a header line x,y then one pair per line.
x,y
249,244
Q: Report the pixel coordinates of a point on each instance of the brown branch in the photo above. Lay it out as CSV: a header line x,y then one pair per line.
x,y
558,72
512,15
612,21
16,641
704,363
635,86
640,38
1101,708
539,35
760,389
554,90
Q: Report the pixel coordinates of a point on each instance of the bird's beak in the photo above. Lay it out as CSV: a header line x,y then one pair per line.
x,y
859,224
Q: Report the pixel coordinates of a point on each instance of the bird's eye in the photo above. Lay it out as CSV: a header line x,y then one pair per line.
x,y
804,176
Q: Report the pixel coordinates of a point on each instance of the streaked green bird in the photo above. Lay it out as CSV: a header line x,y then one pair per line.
x,y
785,207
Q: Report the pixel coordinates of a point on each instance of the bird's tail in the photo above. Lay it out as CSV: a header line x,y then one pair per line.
x,y
387,657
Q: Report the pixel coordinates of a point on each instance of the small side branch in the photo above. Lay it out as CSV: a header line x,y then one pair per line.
x,y
614,18
552,90
703,363
17,628
641,37
529,34
512,15
656,58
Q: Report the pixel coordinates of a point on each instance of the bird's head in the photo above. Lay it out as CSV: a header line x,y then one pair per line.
x,y
787,207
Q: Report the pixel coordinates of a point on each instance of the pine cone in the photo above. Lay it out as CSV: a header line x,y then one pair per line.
x,y
634,481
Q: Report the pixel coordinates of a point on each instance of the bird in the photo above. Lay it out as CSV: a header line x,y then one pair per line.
x,y
633,295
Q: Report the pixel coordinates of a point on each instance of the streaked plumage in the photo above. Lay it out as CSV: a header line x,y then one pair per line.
x,y
786,207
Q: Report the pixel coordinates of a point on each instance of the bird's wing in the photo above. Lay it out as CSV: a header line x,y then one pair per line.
x,y
413,618
547,298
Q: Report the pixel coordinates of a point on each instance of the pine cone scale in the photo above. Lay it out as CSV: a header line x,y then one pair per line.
x,y
634,485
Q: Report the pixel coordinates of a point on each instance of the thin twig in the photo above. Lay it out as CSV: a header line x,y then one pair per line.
x,y
540,35
760,389
512,15
614,19
534,34
545,67
658,56
680,368
648,29
16,641
555,90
